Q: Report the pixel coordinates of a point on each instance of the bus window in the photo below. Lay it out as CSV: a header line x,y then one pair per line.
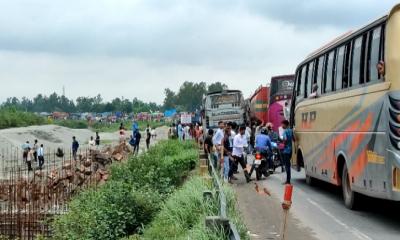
x,y
373,54
319,76
303,79
339,68
329,73
298,82
356,64
309,81
346,78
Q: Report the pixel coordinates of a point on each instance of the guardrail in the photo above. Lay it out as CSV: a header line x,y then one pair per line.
x,y
222,220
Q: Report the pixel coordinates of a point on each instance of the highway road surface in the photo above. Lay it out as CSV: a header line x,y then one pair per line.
x,y
317,212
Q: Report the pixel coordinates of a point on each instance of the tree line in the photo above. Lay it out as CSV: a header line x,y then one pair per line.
x,y
187,98
190,95
57,103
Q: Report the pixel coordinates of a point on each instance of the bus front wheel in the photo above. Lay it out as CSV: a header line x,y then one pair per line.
x,y
349,196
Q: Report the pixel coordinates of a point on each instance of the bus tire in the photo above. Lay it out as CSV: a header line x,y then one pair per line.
x,y
350,197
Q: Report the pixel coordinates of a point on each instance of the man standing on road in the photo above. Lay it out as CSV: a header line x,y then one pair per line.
x,y
75,146
180,132
137,138
97,139
35,148
287,138
41,156
208,144
239,142
217,141
25,150
148,136
226,153
92,143
29,159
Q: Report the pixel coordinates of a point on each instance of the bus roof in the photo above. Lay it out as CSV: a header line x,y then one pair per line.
x,y
342,39
280,77
223,91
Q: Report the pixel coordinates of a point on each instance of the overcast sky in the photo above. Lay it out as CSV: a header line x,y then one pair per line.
x,y
136,48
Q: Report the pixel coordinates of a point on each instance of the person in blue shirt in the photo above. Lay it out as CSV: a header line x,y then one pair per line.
x,y
287,138
263,145
263,142
75,146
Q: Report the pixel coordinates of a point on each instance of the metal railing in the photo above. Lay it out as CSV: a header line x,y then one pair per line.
x,y
228,225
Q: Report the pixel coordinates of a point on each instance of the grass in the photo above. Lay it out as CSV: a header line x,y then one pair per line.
x,y
183,215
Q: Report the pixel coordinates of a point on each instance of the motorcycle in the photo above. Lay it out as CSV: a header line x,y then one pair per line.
x,y
260,165
276,156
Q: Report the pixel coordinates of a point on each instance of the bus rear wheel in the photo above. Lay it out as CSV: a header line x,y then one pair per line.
x,y
349,196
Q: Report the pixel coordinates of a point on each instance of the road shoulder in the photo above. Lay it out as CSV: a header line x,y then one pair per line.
x,y
263,214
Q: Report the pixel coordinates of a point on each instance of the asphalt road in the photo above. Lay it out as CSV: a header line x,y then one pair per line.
x,y
317,212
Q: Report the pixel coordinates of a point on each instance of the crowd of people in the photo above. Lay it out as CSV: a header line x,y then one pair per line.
x,y
33,153
186,132
231,143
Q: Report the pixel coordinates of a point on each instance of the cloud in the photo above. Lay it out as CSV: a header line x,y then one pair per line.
x,y
136,48
322,13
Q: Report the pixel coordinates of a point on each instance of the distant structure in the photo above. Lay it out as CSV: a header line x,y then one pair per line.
x,y
63,91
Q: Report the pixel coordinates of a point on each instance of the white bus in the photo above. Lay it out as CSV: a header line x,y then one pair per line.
x,y
226,106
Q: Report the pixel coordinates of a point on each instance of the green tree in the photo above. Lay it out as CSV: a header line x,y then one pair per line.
x,y
170,99
217,86
190,95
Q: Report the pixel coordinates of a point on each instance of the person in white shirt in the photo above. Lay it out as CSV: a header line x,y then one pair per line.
x,y
40,154
217,142
92,143
239,142
187,135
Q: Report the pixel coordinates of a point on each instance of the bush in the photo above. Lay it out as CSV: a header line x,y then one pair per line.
x,y
162,168
10,117
108,213
131,197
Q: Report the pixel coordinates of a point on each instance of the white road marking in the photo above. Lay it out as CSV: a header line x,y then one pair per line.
x,y
353,230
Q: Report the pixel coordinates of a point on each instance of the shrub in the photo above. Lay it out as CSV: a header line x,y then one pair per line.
x,y
108,213
10,117
132,196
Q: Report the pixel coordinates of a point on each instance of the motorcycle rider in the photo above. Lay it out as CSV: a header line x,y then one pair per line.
x,y
263,146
